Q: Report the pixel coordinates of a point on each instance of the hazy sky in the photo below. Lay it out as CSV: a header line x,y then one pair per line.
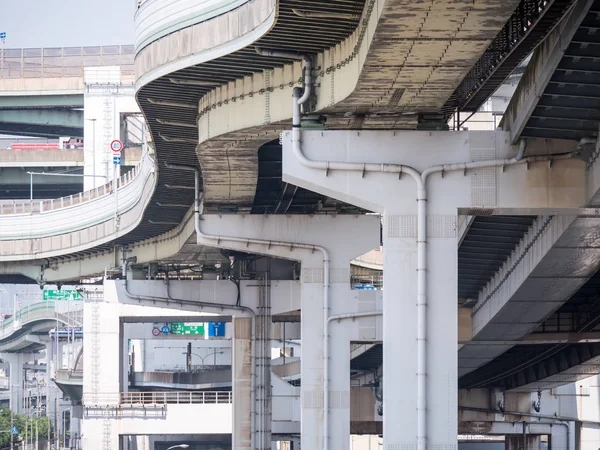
x,y
66,23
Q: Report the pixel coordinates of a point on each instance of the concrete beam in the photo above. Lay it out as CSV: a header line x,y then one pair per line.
x,y
71,100
47,131
42,122
41,158
60,117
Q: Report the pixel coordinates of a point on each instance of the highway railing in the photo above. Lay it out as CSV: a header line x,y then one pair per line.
x,y
158,18
42,206
62,62
24,219
158,398
34,312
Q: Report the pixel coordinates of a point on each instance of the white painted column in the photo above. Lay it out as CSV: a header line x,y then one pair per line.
x,y
399,332
442,331
344,238
311,354
15,361
101,378
563,436
76,419
241,365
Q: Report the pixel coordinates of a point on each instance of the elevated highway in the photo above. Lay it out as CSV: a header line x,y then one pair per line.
x,y
42,89
526,248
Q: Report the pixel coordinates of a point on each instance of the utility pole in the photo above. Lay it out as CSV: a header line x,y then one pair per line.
x,y
37,418
93,149
26,428
12,425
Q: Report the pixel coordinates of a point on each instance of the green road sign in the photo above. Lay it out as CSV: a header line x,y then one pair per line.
x,y
191,328
62,295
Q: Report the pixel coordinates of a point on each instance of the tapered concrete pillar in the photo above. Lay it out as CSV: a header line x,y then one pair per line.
x,y
326,247
241,353
16,362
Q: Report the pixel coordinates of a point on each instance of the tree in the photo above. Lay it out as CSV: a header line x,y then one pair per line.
x,y
19,421
5,427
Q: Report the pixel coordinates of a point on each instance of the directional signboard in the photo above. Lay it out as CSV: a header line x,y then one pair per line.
x,y
116,160
62,295
191,328
178,328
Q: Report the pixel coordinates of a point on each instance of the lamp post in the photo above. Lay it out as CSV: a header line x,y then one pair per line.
x,y
206,356
93,148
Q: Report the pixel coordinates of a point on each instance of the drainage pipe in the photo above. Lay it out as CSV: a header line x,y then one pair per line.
x,y
421,181
297,56
522,148
243,309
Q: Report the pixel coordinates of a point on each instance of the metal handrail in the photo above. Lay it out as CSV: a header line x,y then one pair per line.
x,y
26,314
160,398
185,398
11,207
63,62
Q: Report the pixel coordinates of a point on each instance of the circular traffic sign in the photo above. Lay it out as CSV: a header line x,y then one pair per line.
x,y
155,331
116,146
165,330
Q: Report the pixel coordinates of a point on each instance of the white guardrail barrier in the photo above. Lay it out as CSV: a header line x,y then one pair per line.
x,y
158,18
31,313
25,219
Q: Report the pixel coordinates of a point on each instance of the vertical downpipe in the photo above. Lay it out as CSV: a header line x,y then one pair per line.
x,y
421,316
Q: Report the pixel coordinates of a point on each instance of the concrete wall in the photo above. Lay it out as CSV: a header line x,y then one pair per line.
x,y
170,354
106,97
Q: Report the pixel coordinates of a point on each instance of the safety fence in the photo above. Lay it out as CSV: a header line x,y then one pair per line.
x,y
63,62
159,398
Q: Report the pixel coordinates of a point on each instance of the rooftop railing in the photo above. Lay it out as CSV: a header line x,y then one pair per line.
x,y
63,62
159,398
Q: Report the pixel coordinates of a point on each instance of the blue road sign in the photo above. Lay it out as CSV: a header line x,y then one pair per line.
x,y
165,330
2,34
14,430
116,160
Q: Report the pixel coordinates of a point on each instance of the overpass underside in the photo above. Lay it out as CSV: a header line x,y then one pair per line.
x,y
482,239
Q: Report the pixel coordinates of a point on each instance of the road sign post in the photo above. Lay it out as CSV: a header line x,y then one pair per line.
x,y
116,146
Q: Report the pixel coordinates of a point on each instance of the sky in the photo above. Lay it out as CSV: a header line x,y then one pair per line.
x,y
66,23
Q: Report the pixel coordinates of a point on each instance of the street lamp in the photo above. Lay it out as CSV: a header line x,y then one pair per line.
x,y
206,356
179,446
93,148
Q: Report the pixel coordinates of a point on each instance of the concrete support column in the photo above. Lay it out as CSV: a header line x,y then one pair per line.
x,y
319,243
16,362
241,365
101,373
516,443
76,419
563,436
400,331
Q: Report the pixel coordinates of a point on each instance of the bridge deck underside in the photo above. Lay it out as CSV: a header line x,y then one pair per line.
x,y
545,366
569,107
488,243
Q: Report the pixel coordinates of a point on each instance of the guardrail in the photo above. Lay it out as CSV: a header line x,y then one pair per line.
x,y
158,18
69,376
159,398
42,206
63,62
34,312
